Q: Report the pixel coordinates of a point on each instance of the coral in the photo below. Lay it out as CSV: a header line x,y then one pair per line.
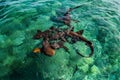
x,y
2,41
95,70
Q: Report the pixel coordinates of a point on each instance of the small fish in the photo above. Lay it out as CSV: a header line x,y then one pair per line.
x,y
37,50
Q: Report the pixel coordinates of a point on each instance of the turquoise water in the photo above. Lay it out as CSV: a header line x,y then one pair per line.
x,y
19,20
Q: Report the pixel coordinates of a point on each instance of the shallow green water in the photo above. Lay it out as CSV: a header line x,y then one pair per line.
x,y
19,20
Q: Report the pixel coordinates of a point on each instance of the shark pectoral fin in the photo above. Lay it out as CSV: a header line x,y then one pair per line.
x,y
80,32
